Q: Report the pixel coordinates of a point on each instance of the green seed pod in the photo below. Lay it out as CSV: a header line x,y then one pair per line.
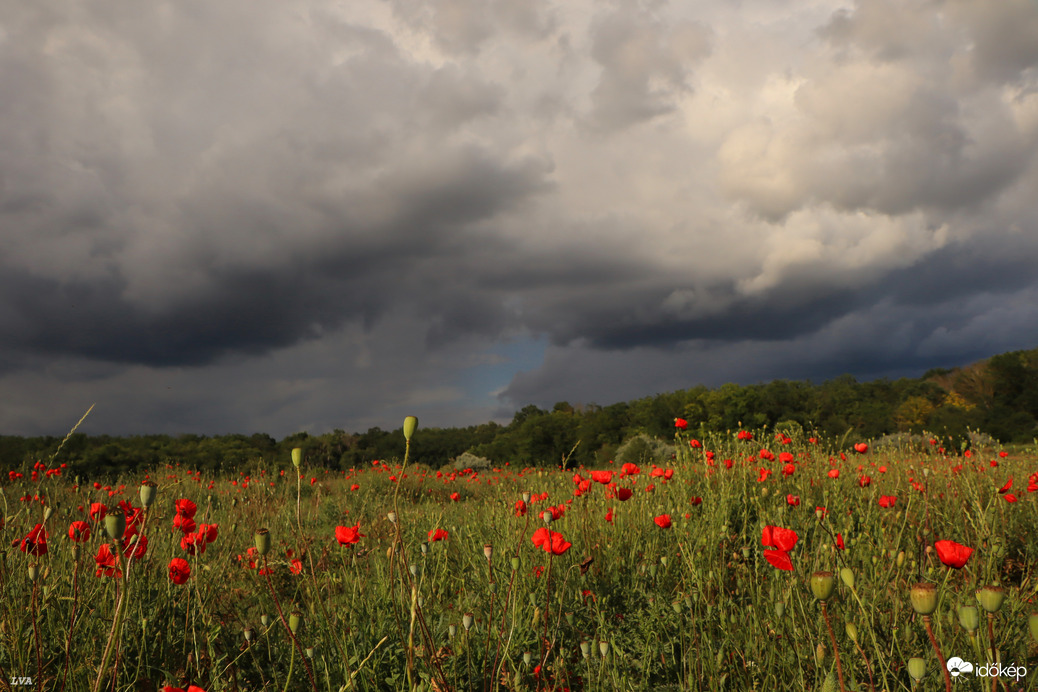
x,y
248,634
991,598
488,551
34,572
663,560
264,620
569,619
780,609
451,631
969,618
676,605
603,648
745,553
1032,622
425,547
392,517
515,563
585,650
901,559
75,551
847,577
526,497
916,668
527,657
823,585
820,655
262,538
115,524
294,621
413,569
47,511
310,652
924,598
852,631
466,621
410,425
297,456
149,489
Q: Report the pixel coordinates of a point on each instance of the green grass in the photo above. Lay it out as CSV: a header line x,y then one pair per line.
x,y
695,606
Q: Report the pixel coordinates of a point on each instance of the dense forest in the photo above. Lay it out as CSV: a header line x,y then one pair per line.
x,y
998,396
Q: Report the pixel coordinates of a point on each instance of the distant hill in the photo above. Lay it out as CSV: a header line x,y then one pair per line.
x,y
998,396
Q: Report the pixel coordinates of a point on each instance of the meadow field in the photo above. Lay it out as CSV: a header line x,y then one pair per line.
x,y
745,561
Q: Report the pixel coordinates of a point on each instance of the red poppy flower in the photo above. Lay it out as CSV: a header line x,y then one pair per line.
x,y
520,508
887,501
296,566
455,497
192,543
97,511
209,532
609,515
778,537
79,531
681,424
1005,488
348,535
35,542
179,570
354,487
834,473
1003,454
839,542
695,444
953,554
696,501
185,508
793,500
861,448
663,521
107,562
550,541
744,435
780,559
788,470
1010,497
437,535
624,494
184,523
864,481
603,477
629,469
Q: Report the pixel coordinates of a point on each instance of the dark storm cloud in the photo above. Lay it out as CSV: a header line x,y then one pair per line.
x,y
339,216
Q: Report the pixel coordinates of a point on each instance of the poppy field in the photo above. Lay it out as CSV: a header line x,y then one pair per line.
x,y
752,560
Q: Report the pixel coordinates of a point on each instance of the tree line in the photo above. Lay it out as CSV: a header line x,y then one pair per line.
x,y
998,396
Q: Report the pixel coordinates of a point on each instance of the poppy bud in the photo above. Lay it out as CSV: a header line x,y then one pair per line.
x,y
1032,622
901,559
294,621
527,657
75,551
515,563
262,538
820,655
488,551
421,602
115,524
969,618
536,617
264,620
688,603
392,517
34,572
310,652
916,668
526,497
676,605
603,648
297,456
852,631
410,425
847,577
823,585
780,609
663,560
451,631
466,621
745,553
413,569
652,571
248,634
569,619
585,650
991,598
924,598
425,547
47,511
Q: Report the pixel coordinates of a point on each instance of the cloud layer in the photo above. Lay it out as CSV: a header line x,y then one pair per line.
x,y
274,215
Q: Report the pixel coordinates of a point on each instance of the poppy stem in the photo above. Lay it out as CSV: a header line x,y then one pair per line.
x,y
836,649
291,634
940,656
547,602
72,619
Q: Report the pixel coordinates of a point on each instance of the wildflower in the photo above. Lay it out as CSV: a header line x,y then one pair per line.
x,y
35,542
107,562
437,535
681,424
629,469
520,508
663,521
1005,488
861,448
296,566
79,531
97,511
609,515
348,535
185,508
834,473
695,444
551,541
603,477
179,570
455,497
887,501
696,501
782,540
953,554
793,500
788,470
839,542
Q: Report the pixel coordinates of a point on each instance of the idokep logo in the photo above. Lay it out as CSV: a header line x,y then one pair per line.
x,y
956,666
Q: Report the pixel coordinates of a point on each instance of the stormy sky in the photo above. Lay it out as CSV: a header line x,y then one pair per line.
x,y
283,215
